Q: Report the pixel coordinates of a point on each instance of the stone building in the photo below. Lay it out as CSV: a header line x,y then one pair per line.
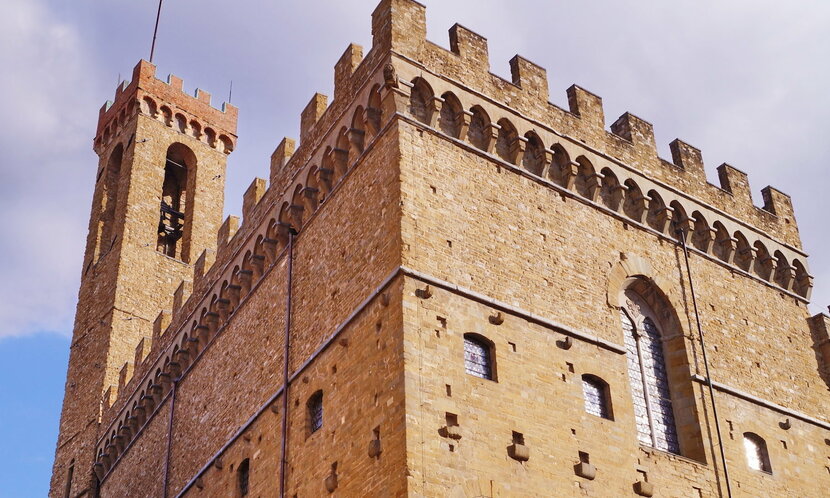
x,y
449,287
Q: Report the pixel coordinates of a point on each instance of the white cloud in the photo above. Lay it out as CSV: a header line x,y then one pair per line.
x,y
46,171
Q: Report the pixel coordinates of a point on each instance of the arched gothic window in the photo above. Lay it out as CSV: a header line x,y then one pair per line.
x,y
597,399
649,384
756,452
315,412
478,356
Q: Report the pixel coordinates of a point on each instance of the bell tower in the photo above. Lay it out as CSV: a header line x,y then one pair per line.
x,y
157,204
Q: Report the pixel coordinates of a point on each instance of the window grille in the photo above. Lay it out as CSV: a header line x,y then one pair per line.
x,y
477,359
756,453
647,374
315,412
596,397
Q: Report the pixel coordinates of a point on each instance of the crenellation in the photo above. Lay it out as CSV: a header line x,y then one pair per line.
x,y
588,107
142,350
312,113
181,295
637,131
779,204
202,265
343,71
226,232
399,25
160,325
175,82
203,96
280,157
470,46
124,376
530,77
689,158
252,197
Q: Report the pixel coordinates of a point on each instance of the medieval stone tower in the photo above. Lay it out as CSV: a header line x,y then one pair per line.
x,y
158,200
449,287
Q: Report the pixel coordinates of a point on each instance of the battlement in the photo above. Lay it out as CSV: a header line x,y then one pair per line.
x,y
168,103
450,93
400,27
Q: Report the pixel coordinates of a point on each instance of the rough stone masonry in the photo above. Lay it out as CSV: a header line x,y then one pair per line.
x,y
449,287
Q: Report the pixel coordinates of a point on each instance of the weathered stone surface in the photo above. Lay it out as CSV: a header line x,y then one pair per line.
x,y
432,199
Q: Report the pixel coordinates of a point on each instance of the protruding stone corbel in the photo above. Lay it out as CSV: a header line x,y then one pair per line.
x,y
390,76
644,488
311,195
371,118
437,105
664,217
640,203
685,225
749,253
356,139
805,284
618,193
594,184
451,431
705,239
375,449
585,470
519,452
99,470
729,245
296,211
493,137
463,118
517,149
341,158
424,293
331,479
394,100
570,170
126,432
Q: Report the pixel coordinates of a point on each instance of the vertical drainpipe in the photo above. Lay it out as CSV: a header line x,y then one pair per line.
x,y
284,453
682,236
169,437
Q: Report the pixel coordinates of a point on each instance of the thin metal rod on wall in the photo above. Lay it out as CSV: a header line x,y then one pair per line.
x,y
285,373
169,437
682,236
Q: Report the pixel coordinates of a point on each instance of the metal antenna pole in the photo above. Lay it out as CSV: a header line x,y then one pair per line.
x,y
230,93
155,32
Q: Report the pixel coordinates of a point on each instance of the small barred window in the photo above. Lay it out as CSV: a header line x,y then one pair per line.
x,y
477,357
595,391
315,412
756,452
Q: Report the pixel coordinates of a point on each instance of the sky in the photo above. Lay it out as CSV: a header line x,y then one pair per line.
x,y
746,81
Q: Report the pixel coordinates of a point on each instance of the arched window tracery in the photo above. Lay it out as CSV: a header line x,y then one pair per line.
x,y
649,379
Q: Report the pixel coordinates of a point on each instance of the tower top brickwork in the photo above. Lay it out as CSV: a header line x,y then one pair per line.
x,y
167,100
